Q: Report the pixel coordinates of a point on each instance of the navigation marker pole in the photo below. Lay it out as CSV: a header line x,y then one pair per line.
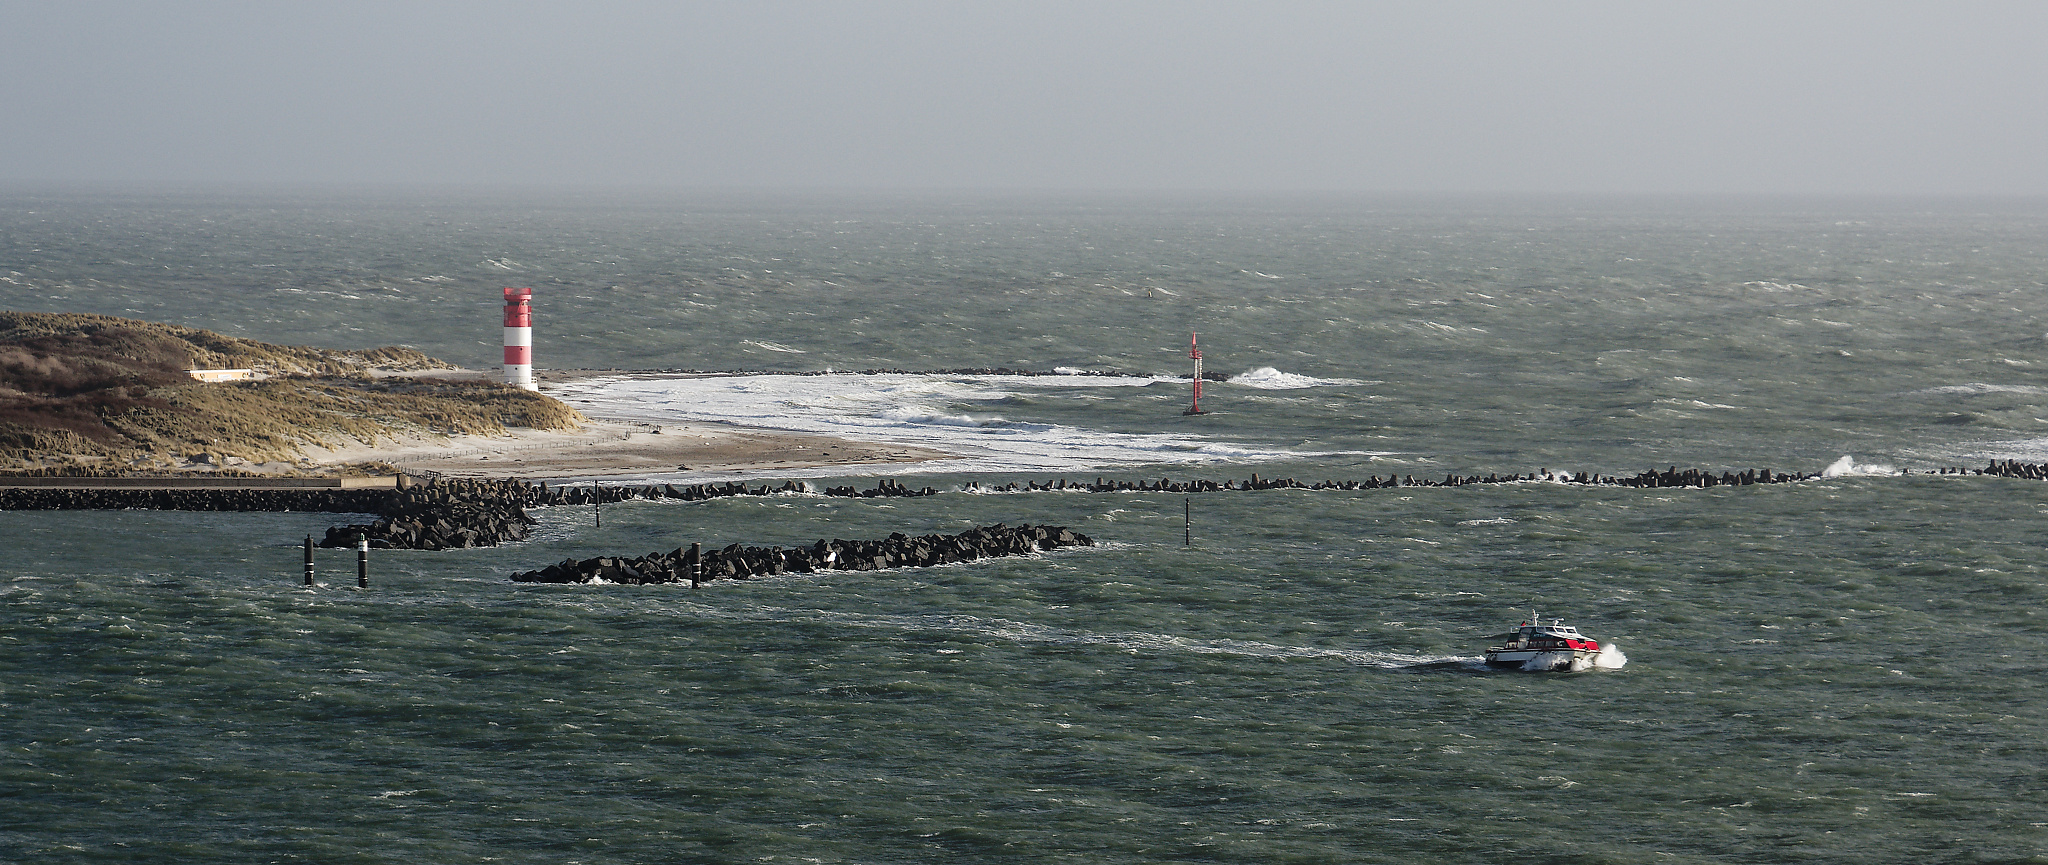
x,y
362,560
1195,352
309,560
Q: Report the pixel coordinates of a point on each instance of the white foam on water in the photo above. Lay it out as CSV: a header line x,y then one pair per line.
x,y
1976,388
1545,662
1847,467
908,409
2033,450
1268,378
1011,630
1609,658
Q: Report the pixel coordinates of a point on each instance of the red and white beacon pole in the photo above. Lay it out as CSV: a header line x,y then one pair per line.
x,y
519,338
1195,353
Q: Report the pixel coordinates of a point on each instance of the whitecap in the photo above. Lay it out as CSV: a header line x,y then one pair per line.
x,y
1268,378
772,346
1977,388
929,411
1847,467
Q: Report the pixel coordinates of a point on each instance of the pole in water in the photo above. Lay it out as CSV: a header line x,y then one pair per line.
x,y
1188,520
362,560
597,501
309,560
696,563
1195,352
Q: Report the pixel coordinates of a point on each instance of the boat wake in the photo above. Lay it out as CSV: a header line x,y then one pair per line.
x,y
1608,658
1135,642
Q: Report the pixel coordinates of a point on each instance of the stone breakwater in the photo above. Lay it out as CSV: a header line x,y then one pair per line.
x,y
600,494
738,562
461,513
334,501
446,513
1673,477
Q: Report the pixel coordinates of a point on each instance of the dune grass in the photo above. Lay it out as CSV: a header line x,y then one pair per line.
x,y
98,393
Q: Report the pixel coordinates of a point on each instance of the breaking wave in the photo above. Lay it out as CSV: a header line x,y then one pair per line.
x,y
1268,378
1847,467
907,409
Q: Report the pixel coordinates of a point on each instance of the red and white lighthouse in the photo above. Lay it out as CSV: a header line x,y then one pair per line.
x,y
519,338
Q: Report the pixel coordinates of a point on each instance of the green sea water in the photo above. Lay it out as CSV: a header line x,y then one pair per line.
x,y
1845,669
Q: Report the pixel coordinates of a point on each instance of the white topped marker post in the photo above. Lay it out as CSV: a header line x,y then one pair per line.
x,y
519,338
1195,354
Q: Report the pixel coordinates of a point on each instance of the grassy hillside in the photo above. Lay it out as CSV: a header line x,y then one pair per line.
x,y
93,391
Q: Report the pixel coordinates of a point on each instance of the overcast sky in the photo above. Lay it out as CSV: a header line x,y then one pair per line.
x,y
1826,97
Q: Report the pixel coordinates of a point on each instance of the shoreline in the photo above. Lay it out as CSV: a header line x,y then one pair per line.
x,y
610,447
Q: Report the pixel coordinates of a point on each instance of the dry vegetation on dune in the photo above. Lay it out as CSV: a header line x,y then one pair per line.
x,y
192,348
90,391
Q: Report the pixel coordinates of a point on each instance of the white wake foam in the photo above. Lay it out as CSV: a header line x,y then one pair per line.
x,y
1268,378
1012,630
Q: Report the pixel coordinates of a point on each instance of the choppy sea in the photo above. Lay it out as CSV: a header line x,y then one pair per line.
x,y
1846,669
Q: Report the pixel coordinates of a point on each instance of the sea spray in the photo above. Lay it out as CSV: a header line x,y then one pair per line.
x,y
1848,467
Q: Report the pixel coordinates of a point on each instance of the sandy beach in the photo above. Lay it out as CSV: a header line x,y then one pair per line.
x,y
611,447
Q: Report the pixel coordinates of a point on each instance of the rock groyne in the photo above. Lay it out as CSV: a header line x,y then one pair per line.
x,y
744,562
457,513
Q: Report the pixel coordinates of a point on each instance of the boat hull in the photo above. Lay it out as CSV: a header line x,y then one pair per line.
x,y
1541,661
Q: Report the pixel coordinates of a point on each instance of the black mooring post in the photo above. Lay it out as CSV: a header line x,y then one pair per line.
x,y
362,560
1188,520
696,563
597,502
309,560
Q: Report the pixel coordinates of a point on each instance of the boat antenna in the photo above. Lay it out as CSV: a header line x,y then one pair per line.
x,y
1195,352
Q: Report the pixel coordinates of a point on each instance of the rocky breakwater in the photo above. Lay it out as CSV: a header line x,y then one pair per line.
x,y
1673,477
331,501
447,514
600,494
744,562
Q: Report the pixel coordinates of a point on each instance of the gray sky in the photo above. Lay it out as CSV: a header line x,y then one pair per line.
x,y
1808,97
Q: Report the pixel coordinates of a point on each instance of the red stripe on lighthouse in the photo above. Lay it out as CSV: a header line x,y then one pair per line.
x,y
518,307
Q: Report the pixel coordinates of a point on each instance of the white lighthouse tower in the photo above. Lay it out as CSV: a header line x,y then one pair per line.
x,y
519,338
